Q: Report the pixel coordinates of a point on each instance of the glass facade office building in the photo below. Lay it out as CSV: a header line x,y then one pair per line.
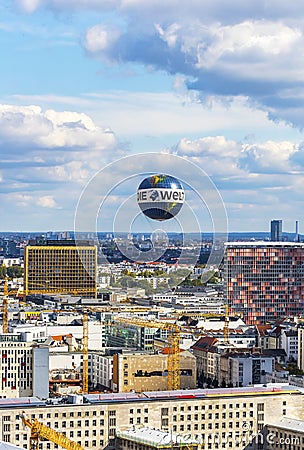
x,y
61,267
264,281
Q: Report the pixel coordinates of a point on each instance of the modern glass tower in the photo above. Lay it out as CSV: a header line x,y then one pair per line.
x,y
264,280
276,230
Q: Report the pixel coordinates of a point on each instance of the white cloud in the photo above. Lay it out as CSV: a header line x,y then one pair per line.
x,y
52,129
29,6
100,38
47,201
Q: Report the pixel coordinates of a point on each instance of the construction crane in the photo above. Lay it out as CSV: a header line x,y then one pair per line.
x,y
5,308
85,353
85,347
41,431
173,341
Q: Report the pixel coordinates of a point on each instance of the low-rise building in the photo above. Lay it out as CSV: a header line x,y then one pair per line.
x,y
149,372
101,370
248,369
289,342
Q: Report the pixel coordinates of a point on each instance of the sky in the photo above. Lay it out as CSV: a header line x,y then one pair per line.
x,y
86,83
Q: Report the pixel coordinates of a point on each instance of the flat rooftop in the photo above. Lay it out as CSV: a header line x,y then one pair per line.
x,y
288,424
264,244
191,394
151,436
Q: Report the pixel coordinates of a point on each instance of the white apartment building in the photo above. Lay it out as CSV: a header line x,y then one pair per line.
x,y
23,368
289,343
301,346
101,370
248,370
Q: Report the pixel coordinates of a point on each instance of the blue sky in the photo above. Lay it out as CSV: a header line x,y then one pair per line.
x,y
87,82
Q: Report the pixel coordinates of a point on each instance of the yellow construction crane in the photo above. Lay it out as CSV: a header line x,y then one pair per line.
x,y
85,347
173,341
41,431
5,308
85,353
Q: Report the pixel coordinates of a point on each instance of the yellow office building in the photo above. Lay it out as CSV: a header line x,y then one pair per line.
x,y
61,267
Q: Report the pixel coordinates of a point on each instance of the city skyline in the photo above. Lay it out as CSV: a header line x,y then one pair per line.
x,y
87,83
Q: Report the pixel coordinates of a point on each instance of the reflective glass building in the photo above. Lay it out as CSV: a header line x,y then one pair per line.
x,y
61,267
264,280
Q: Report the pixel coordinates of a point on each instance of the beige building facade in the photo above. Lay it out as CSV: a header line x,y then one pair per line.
x,y
149,372
218,417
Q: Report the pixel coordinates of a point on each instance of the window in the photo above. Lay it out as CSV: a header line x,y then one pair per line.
x,y
86,433
165,422
164,411
131,421
131,411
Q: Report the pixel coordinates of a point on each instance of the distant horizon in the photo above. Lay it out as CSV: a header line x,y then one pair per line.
x,y
144,232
